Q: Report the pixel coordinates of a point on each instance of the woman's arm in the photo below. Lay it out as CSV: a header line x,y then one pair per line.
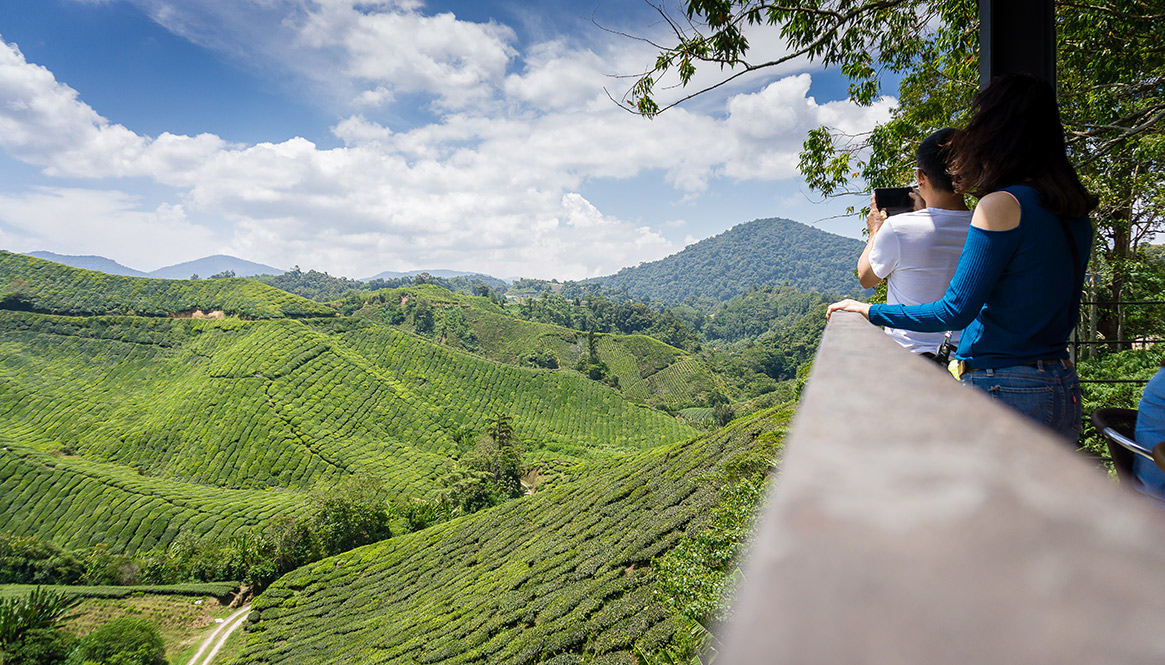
x,y
991,242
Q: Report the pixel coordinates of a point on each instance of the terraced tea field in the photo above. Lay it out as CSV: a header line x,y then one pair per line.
x,y
125,422
563,576
129,430
649,371
78,503
31,283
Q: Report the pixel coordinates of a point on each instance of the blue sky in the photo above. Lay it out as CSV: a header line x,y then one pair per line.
x,y
357,136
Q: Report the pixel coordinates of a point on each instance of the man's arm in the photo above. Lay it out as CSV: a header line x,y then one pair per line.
x,y
866,276
874,220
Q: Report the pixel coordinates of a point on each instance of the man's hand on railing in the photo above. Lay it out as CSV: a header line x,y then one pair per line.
x,y
849,305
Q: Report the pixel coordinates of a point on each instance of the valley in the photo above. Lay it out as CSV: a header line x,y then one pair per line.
x,y
170,447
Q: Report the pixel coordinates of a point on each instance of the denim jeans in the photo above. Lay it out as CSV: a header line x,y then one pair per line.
x,y
1047,392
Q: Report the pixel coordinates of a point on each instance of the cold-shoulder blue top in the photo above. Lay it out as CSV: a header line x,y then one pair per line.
x,y
1015,293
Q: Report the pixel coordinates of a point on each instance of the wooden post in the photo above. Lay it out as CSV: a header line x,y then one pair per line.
x,y
1016,36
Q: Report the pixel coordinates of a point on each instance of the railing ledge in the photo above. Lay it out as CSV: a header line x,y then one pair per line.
x,y
915,521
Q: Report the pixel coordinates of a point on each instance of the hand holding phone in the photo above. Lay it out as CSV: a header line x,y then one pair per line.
x,y
893,200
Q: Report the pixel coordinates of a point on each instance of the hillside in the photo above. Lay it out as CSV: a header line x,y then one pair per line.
x,y
30,283
758,253
322,287
565,576
249,405
78,503
644,369
146,435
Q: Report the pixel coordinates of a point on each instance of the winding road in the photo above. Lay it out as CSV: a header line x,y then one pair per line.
x,y
219,636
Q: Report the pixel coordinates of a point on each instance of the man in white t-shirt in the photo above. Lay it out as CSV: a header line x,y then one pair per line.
x,y
916,252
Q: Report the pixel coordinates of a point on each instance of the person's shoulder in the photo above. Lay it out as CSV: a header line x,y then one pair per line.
x,y
910,217
923,222
998,211
951,219
965,213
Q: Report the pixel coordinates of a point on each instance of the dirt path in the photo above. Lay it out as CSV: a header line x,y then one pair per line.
x,y
227,627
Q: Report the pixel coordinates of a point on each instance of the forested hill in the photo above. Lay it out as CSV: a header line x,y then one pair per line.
x,y
33,284
757,253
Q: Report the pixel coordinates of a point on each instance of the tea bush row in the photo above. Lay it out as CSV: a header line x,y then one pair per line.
x,y
632,358
251,405
556,409
191,589
78,503
561,576
36,284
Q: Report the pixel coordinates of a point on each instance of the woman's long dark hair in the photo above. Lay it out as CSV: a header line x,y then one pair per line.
x,y
1015,136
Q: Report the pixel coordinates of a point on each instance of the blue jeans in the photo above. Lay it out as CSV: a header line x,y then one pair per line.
x,y
1047,392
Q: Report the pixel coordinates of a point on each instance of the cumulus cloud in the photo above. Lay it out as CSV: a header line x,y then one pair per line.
x,y
769,126
109,223
493,184
400,49
558,77
366,53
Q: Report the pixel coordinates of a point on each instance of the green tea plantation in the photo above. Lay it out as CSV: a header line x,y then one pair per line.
x,y
563,576
128,430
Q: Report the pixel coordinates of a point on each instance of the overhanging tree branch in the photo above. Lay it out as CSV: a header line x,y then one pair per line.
x,y
813,31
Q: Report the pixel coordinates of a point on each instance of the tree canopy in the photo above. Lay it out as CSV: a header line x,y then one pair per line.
x,y
1110,76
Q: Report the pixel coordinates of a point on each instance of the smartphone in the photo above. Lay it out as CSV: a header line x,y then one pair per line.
x,y
893,199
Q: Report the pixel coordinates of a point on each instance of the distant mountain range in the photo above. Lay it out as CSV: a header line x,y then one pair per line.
x,y
98,263
389,274
219,263
757,253
204,267
213,265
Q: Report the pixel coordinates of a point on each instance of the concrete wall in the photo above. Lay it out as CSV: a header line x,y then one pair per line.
x,y
914,521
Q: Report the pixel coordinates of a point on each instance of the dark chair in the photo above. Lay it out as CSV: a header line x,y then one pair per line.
x,y
1119,426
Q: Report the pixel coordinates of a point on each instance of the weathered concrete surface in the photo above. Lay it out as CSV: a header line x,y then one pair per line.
x,y
916,522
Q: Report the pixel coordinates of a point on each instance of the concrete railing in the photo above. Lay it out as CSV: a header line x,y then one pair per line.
x,y
914,521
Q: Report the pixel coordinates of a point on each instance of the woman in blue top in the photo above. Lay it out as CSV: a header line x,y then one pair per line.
x,y
1016,290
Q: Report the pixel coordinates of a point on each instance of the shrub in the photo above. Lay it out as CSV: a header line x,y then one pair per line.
x,y
27,560
343,523
40,610
41,646
420,514
104,568
124,641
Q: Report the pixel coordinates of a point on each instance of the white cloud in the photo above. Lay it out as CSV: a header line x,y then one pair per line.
x,y
359,53
356,130
105,222
558,77
400,49
769,126
491,186
375,98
